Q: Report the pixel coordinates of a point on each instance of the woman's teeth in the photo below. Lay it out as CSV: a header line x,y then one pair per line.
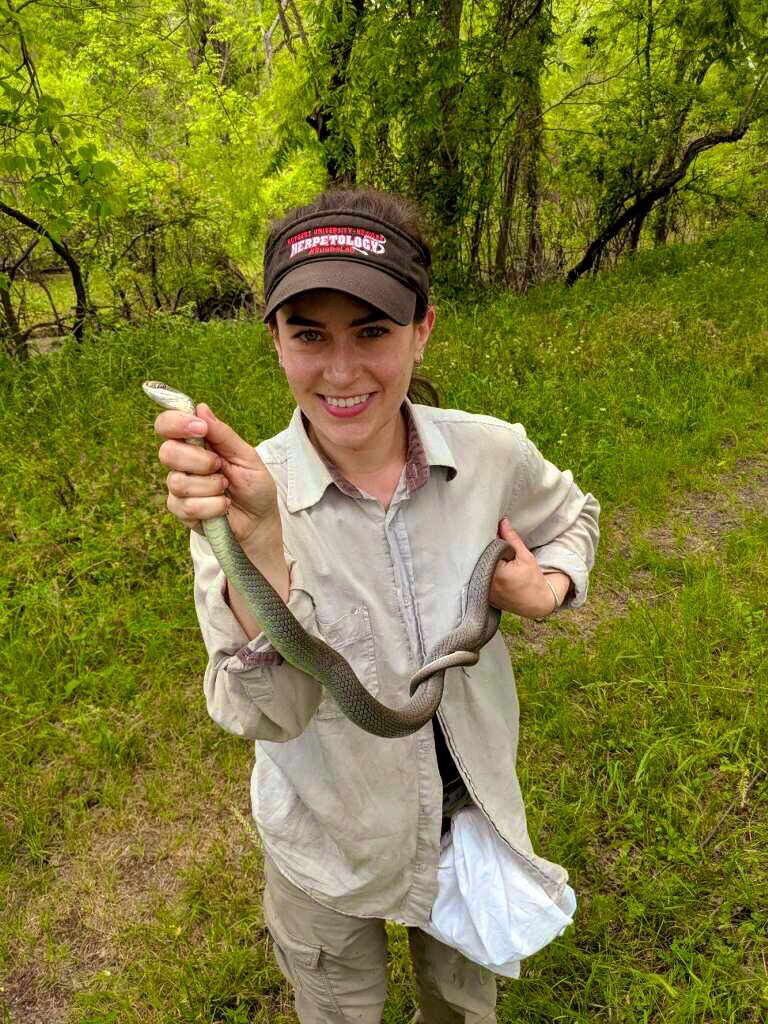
x,y
345,403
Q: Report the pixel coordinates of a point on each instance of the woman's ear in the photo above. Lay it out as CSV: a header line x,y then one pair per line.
x,y
276,342
423,331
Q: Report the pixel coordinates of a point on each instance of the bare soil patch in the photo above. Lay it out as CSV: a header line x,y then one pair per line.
x,y
695,524
130,866
698,521
27,1000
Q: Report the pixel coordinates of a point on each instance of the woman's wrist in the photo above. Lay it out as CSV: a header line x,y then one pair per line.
x,y
264,540
264,550
560,582
559,585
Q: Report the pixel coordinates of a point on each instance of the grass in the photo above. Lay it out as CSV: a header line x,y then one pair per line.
x,y
661,818
129,880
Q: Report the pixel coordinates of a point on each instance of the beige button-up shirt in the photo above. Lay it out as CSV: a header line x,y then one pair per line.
x,y
352,819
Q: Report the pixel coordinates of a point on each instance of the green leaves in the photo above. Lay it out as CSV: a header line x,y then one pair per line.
x,y
164,140
14,95
15,163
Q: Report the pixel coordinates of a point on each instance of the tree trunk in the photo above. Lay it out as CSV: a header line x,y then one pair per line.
x,y
62,250
519,253
449,135
341,166
13,342
635,230
199,21
645,202
517,42
153,278
534,256
511,175
661,225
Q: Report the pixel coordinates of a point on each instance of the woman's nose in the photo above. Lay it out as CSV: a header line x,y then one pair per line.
x,y
343,364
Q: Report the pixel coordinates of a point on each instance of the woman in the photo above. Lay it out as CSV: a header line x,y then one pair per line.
x,y
367,514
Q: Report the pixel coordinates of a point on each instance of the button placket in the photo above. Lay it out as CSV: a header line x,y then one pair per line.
x,y
397,540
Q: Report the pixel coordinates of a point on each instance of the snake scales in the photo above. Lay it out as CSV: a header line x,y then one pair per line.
x,y
306,652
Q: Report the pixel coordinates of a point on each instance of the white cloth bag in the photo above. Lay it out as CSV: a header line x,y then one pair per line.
x,y
486,906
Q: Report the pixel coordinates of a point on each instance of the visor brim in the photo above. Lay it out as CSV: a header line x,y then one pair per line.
x,y
370,285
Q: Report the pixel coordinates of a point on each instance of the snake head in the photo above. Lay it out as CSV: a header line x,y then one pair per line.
x,y
168,397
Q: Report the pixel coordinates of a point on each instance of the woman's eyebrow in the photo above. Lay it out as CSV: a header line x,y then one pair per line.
x,y
369,318
302,321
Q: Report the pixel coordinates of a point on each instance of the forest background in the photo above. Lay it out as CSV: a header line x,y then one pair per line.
x,y
146,145
618,147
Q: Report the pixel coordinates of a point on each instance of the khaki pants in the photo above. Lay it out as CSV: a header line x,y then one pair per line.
x,y
337,964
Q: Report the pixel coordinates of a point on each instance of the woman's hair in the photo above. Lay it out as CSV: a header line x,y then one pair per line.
x,y
395,210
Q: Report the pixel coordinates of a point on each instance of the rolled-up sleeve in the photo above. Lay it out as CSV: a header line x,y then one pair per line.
x,y
249,689
555,519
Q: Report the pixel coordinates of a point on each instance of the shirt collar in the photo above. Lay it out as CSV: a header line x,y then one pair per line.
x,y
310,473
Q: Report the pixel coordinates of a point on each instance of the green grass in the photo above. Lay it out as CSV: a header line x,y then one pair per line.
x,y
129,883
661,815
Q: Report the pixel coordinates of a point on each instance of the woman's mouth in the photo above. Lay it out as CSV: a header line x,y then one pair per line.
x,y
346,407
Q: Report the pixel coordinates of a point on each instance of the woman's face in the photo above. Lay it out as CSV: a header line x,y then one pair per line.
x,y
347,365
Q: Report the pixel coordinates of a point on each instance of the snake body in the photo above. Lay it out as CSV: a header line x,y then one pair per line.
x,y
310,654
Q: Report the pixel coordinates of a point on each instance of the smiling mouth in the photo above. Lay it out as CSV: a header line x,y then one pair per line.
x,y
346,403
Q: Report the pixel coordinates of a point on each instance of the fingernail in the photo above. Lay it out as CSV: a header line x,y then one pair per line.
x,y
196,426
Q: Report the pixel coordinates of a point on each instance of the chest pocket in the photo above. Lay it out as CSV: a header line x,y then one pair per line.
x,y
352,636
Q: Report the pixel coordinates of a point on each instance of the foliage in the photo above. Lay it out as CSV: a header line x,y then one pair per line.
x,y
130,132
152,142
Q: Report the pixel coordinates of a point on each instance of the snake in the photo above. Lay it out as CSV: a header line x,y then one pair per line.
x,y
459,648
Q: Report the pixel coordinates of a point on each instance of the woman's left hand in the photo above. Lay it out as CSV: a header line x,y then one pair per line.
x,y
519,586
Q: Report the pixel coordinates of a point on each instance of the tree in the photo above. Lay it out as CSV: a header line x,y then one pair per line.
x,y
337,26
693,77
145,146
47,168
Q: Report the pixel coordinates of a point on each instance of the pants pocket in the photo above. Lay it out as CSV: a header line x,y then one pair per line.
x,y
330,986
303,966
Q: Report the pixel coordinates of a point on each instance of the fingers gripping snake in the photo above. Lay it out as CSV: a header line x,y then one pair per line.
x,y
310,654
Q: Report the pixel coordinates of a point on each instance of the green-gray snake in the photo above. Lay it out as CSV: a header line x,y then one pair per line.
x,y
310,654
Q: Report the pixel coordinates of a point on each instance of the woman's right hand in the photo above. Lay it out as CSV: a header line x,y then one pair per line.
x,y
199,477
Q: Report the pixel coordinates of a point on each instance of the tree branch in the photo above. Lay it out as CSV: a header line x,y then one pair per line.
x,y
12,271
299,22
62,250
658,190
